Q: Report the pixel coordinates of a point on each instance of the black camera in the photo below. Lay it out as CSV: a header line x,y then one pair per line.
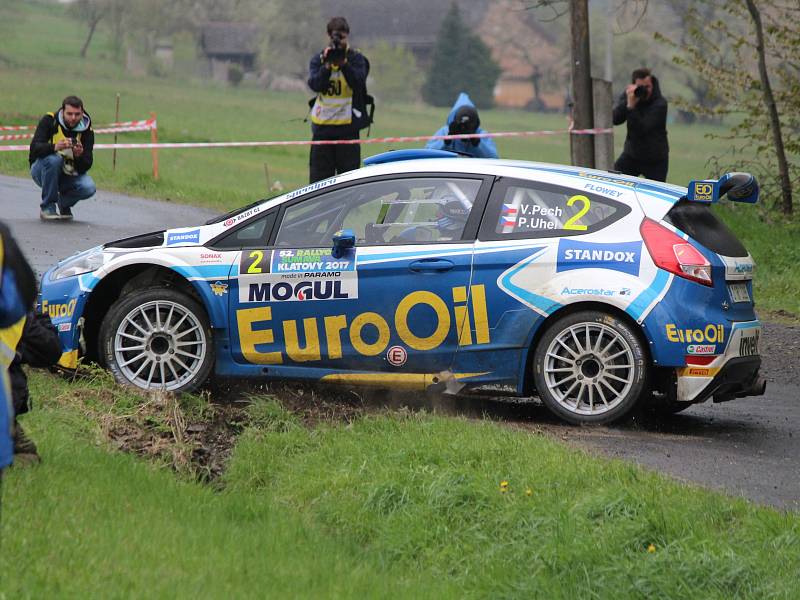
x,y
337,48
640,92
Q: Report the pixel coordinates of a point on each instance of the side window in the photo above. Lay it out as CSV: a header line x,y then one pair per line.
x,y
526,209
396,211
253,234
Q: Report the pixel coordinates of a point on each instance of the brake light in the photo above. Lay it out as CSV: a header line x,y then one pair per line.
x,y
674,254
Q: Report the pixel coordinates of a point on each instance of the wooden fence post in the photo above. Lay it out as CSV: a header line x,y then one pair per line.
x,y
154,140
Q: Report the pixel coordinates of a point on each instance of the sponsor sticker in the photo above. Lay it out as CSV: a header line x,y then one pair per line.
x,y
701,349
293,275
397,356
624,257
242,216
568,291
710,334
64,327
219,288
748,344
210,258
59,311
184,237
311,188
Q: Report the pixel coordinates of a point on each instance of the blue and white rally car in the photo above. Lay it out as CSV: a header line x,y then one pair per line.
x,y
590,289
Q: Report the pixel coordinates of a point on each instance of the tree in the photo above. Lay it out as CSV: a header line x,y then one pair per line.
x,y
294,31
461,63
757,82
393,72
92,12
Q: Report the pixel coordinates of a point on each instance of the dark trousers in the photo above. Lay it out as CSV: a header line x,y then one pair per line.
x,y
327,160
657,171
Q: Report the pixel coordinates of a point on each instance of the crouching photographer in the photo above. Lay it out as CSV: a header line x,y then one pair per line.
x,y
642,106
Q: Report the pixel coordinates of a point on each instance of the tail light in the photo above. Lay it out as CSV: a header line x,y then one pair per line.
x,y
674,254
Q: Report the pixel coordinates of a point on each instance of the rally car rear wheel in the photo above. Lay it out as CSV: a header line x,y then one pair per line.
x,y
589,367
158,339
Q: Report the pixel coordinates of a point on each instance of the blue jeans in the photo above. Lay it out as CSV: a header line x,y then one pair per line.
x,y
59,187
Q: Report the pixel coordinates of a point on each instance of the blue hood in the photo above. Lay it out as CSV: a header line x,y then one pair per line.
x,y
462,100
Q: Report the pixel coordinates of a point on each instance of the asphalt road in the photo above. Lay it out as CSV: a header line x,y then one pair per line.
x,y
748,447
104,218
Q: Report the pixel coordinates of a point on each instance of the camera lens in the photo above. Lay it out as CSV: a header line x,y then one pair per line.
x,y
640,91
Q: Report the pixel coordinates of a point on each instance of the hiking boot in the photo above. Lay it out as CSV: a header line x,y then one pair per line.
x,y
49,213
25,452
65,213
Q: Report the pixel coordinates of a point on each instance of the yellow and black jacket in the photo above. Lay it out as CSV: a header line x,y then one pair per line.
x,y
51,129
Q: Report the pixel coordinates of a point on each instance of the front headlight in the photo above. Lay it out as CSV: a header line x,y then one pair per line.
x,y
85,262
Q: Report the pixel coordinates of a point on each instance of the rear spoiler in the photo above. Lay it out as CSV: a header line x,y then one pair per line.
x,y
740,187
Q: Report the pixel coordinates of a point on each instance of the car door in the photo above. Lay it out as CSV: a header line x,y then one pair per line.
x,y
528,232
395,303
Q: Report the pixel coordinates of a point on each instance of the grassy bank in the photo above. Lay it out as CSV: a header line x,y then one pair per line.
x,y
391,503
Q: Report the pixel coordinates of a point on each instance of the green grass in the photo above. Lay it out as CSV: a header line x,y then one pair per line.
x,y
390,504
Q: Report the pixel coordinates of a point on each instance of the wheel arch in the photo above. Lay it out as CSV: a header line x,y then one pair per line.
x,y
527,378
120,282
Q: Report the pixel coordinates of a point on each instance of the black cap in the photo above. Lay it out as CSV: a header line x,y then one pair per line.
x,y
465,120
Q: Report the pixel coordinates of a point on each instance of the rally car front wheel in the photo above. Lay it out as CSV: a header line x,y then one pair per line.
x,y
158,339
590,367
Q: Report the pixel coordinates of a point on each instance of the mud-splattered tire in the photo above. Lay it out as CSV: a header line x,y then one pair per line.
x,y
158,339
590,367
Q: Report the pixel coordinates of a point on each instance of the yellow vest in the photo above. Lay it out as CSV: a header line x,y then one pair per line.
x,y
334,106
9,337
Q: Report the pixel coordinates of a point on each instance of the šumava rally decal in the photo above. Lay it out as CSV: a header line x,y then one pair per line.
x,y
291,275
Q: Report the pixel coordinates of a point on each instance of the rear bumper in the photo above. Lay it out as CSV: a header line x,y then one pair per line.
x,y
737,379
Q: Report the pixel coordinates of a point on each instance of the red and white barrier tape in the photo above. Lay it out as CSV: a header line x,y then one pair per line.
x,y
122,126
381,140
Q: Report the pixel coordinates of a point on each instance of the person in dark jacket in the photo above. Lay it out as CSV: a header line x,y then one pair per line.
x,y
17,291
60,156
39,347
463,118
646,150
338,74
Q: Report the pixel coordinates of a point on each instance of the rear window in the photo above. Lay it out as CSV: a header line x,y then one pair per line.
x,y
528,209
697,221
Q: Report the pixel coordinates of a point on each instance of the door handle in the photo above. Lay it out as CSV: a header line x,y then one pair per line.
x,y
431,265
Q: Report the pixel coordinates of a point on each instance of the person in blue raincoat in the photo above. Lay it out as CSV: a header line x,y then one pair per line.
x,y
17,293
463,118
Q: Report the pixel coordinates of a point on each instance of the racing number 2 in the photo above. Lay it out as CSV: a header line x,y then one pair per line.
x,y
572,222
252,262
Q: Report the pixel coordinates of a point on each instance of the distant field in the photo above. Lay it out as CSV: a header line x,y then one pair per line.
x,y
41,66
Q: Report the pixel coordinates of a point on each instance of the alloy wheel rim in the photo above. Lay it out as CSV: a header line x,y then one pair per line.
x,y
160,345
589,368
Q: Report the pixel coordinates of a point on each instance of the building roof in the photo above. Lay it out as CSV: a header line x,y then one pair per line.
x,y
226,38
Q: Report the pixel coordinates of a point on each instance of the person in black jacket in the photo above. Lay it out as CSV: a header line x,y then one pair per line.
x,y
60,155
39,347
646,150
339,76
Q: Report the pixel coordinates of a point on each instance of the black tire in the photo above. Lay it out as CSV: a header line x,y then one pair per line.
x,y
177,350
595,382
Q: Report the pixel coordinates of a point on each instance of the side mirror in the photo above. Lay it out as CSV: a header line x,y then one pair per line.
x,y
343,240
740,187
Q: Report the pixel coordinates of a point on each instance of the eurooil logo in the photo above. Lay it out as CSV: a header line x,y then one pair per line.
x,y
367,333
710,334
58,311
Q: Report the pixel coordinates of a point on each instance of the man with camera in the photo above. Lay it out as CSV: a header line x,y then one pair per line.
x,y
60,155
646,150
463,119
338,74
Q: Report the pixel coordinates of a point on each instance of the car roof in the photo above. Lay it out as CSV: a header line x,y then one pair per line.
x,y
523,169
